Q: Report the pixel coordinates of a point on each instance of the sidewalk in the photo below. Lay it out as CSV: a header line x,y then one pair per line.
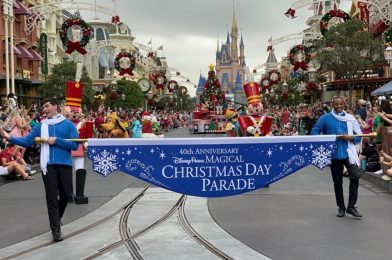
x,y
377,180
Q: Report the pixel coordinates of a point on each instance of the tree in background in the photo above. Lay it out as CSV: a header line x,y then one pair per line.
x,y
349,50
56,83
126,94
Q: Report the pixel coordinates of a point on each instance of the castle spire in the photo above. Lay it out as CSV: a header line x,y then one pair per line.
x,y
217,44
234,23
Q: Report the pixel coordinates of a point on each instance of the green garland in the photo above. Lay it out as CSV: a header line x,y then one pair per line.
x,y
387,36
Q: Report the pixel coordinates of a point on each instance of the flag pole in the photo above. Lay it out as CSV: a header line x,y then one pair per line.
x,y
40,140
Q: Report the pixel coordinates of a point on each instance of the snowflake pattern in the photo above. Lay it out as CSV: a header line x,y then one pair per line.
x,y
321,157
105,163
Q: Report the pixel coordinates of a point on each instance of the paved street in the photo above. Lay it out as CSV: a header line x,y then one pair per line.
x,y
293,219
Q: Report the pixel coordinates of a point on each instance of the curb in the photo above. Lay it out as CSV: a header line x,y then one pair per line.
x,y
377,180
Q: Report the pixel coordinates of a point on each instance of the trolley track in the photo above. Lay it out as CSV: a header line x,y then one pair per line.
x,y
129,204
128,239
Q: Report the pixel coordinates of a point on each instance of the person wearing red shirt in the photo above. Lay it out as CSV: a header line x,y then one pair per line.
x,y
12,163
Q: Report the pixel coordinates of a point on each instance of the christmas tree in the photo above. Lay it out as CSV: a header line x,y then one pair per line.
x,y
212,95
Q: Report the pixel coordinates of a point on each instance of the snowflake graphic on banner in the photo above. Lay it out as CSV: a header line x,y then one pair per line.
x,y
105,163
321,157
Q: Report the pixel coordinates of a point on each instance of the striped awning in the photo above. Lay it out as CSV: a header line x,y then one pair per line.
x,y
24,53
36,56
21,9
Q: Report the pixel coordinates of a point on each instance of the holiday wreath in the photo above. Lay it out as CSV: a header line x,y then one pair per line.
x,y
75,45
125,63
328,16
299,62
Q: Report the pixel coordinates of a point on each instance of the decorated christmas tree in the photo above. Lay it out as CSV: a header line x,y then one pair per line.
x,y
212,97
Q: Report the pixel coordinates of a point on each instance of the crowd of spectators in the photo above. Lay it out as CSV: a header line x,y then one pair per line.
x,y
298,120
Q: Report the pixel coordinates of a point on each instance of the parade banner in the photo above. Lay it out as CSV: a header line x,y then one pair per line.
x,y
210,167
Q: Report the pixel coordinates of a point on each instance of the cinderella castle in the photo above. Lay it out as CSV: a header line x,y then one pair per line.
x,y
231,68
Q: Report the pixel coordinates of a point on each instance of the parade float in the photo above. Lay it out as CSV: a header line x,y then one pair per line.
x,y
209,117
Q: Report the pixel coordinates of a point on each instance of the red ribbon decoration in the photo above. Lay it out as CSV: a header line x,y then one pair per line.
x,y
126,71
300,65
75,46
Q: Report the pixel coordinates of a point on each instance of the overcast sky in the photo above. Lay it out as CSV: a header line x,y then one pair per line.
x,y
189,29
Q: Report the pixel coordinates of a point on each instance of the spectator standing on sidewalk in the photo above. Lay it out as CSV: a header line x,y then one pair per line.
x,y
56,161
339,122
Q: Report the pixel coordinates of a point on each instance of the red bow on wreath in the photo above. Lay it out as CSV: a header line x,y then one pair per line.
x,y
115,19
75,46
300,65
126,71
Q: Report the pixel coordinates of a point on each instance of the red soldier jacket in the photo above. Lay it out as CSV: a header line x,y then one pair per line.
x,y
261,124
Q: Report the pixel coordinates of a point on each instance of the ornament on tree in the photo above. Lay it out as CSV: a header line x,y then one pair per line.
x,y
328,16
125,63
299,57
212,94
75,34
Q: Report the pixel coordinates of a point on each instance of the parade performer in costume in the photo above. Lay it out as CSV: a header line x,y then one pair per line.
x,y
339,122
55,160
73,111
254,123
114,126
147,126
136,127
232,127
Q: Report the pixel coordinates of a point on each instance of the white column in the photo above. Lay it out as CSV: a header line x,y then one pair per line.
x,y
7,62
12,18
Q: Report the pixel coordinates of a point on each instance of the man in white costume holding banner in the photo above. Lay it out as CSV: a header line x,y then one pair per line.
x,y
338,122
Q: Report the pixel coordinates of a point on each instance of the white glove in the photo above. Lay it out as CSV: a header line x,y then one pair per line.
x,y
250,129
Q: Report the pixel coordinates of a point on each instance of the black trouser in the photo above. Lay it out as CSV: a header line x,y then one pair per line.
x,y
337,176
58,183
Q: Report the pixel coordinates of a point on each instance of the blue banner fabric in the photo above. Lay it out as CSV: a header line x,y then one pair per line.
x,y
210,167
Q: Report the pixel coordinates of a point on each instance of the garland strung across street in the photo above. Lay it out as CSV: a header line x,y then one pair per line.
x,y
299,57
77,26
328,16
125,63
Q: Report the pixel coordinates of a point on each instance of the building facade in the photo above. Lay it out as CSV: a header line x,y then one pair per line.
x,y
24,64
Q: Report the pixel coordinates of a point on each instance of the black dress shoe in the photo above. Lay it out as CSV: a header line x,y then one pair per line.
x,y
57,235
340,213
353,211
